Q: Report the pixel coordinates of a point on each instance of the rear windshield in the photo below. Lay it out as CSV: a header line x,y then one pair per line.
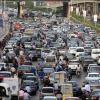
x,y
94,69
28,83
50,99
80,50
96,52
24,68
5,75
47,90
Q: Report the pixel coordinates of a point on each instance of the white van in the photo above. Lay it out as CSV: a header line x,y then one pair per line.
x,y
95,53
5,92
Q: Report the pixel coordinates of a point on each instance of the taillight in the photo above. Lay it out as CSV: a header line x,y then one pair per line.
x,y
93,98
1,79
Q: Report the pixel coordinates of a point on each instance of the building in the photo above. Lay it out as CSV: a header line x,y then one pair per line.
x,y
91,6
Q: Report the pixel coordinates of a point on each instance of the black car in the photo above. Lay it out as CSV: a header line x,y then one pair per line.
x,y
32,86
32,78
74,87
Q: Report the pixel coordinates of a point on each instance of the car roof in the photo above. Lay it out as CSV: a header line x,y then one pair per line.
x,y
47,88
54,97
93,73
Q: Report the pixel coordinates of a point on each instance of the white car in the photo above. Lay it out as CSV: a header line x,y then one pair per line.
x,y
79,50
46,91
72,50
95,53
93,76
45,52
50,98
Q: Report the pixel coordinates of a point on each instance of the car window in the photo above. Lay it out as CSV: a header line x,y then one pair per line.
x,y
96,52
80,50
49,99
96,93
5,74
28,83
2,65
47,90
95,69
94,75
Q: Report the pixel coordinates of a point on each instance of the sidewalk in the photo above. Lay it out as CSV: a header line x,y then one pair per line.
x,y
5,31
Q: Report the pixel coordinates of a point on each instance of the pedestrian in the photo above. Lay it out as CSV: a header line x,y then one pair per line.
x,y
41,73
56,86
15,63
87,87
79,93
57,54
26,95
33,70
59,94
58,68
46,81
13,71
21,59
21,94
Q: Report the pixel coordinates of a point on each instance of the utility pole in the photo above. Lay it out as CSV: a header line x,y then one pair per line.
x,y
18,3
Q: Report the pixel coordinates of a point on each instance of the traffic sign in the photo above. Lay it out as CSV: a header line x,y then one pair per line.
x,y
95,18
77,10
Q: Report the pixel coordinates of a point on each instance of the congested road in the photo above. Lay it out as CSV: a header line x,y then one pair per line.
x,y
43,47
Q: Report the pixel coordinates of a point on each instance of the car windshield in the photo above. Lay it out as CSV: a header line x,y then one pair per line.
x,y
95,69
96,93
31,78
28,83
47,90
96,52
24,68
93,82
94,75
46,51
2,65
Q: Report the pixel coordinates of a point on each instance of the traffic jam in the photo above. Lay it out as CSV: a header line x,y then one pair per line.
x,y
52,58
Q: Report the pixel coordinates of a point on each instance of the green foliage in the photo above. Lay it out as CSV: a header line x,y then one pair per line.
x,y
85,21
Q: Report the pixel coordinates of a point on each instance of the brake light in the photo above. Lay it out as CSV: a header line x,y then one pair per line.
x,y
93,98
1,79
